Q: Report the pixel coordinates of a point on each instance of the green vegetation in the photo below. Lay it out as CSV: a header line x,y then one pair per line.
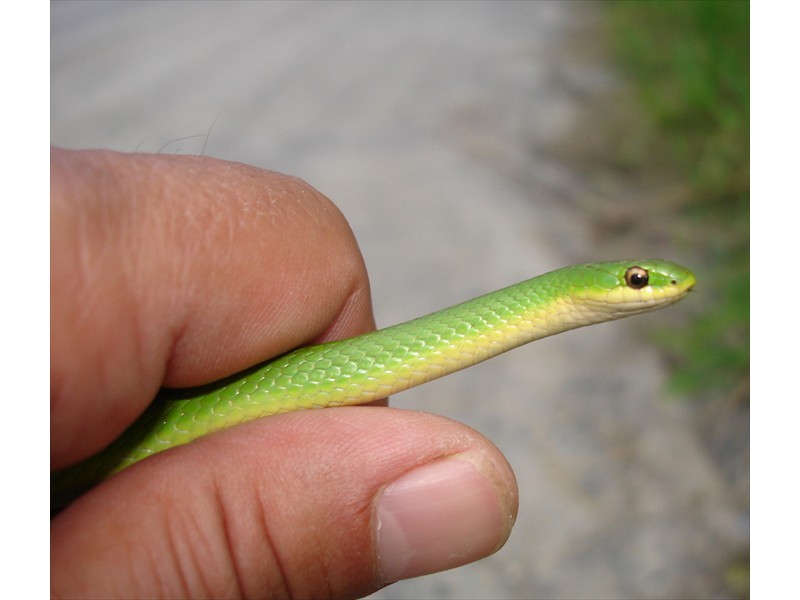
x,y
688,63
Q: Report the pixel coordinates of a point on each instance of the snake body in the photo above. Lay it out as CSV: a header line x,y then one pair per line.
x,y
384,362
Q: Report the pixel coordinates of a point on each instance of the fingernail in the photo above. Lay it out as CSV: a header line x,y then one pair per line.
x,y
443,515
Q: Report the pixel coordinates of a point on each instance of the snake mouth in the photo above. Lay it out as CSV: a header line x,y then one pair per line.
x,y
624,301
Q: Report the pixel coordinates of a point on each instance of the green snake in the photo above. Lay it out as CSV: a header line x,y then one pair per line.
x,y
374,365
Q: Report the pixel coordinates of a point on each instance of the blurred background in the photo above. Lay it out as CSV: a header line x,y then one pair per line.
x,y
473,145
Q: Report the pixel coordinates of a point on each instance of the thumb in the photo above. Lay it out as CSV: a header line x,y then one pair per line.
x,y
331,503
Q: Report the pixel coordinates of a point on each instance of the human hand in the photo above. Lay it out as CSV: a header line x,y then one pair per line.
x,y
176,271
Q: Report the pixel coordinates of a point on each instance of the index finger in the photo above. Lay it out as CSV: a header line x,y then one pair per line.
x,y
178,270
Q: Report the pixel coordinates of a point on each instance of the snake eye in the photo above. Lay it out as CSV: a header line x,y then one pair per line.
x,y
636,277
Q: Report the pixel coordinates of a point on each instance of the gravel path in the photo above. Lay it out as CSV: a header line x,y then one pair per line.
x,y
428,125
